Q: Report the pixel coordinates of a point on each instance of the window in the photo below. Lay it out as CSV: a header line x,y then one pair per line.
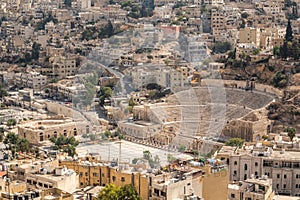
x,y
80,174
245,167
277,186
284,186
103,175
256,164
95,174
297,186
278,175
113,178
86,174
122,179
284,176
234,173
232,196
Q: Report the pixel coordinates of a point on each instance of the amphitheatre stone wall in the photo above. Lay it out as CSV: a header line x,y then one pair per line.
x,y
210,111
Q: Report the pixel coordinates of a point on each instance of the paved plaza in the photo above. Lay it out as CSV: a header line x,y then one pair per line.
x,y
110,151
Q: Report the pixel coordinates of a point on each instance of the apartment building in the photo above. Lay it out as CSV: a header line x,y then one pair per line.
x,y
196,50
93,173
271,37
217,20
213,2
249,35
258,189
164,76
33,80
183,182
63,66
43,176
66,89
62,178
82,4
271,7
283,167
177,185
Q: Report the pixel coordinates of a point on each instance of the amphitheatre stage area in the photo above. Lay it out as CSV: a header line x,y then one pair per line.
x,y
197,114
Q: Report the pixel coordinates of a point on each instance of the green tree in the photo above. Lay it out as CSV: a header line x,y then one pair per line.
x,y
129,192
68,3
171,158
289,32
92,137
66,144
276,51
11,138
112,192
221,47
11,122
181,148
105,93
235,142
147,155
23,145
291,132
280,79
107,30
244,15
3,92
35,52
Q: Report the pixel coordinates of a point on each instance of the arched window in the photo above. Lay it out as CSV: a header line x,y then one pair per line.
x,y
75,131
41,137
55,134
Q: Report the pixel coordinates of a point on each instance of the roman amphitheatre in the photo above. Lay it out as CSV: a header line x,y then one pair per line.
x,y
199,116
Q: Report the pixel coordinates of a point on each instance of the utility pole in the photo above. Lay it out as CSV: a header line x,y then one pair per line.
x,y
120,152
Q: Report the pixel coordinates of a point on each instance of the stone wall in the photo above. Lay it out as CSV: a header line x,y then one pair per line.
x,y
210,181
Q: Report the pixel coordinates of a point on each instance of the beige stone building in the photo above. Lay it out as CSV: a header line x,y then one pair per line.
x,y
33,80
258,189
63,66
42,130
63,178
93,173
249,35
42,178
283,167
176,185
